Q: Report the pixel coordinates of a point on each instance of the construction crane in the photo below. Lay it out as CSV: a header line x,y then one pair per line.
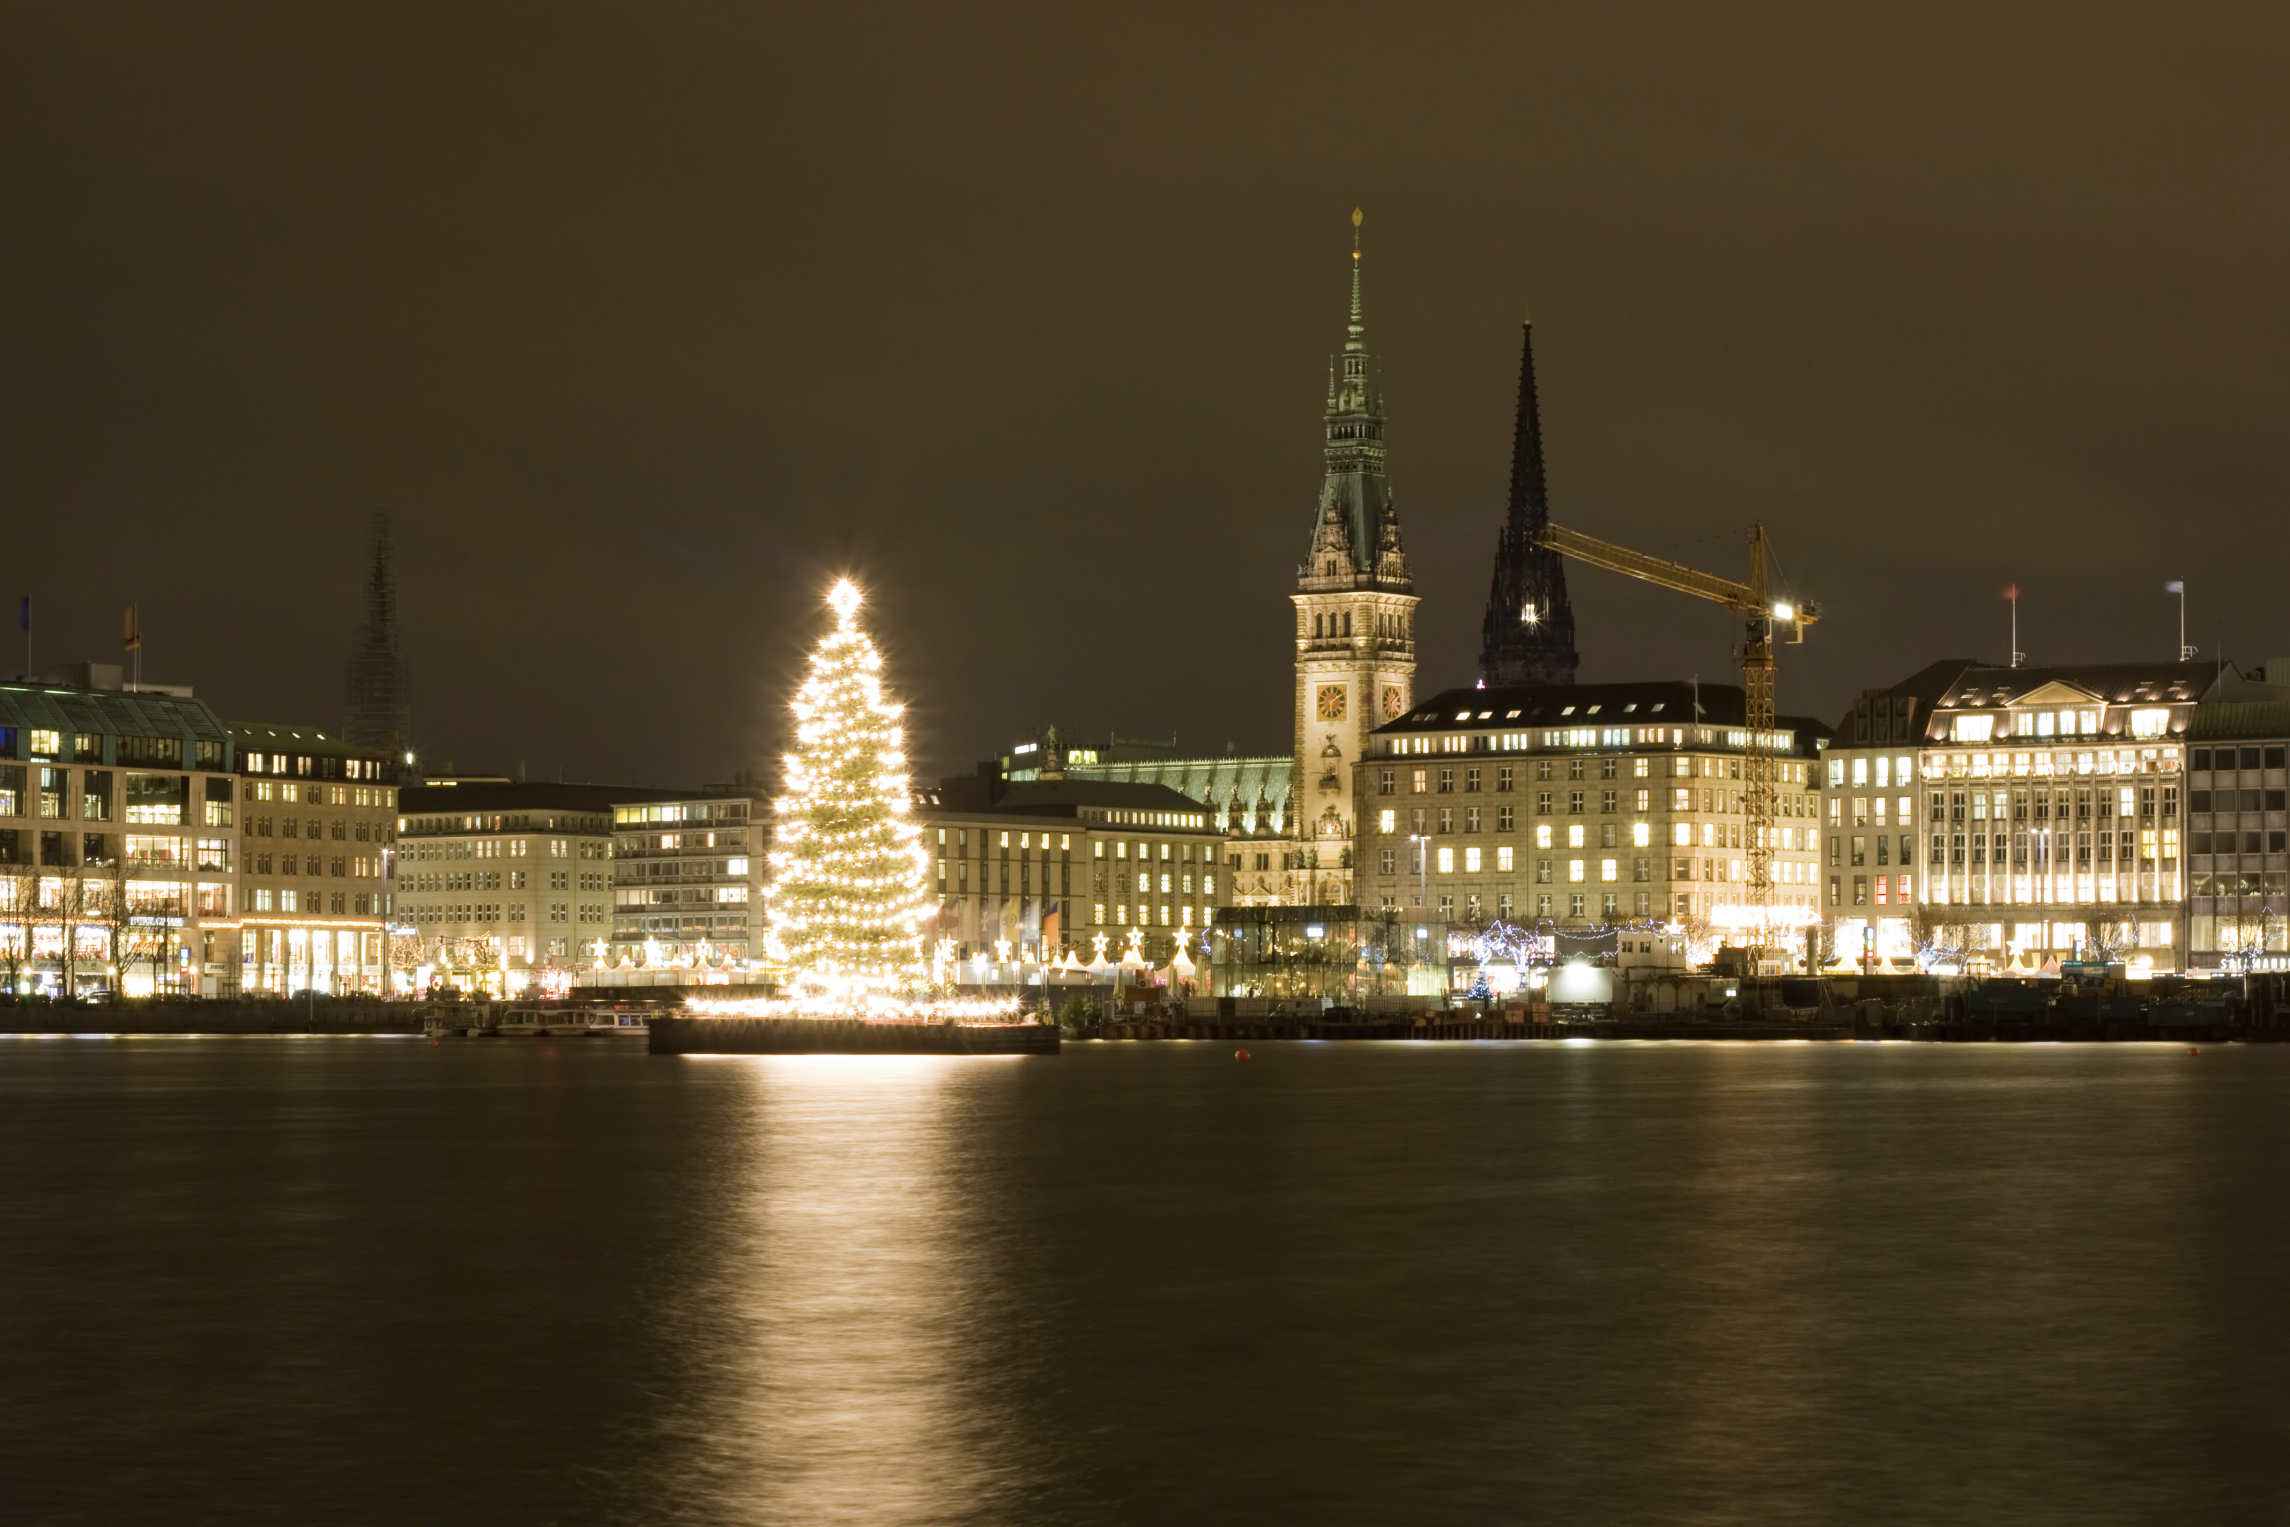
x,y
1762,616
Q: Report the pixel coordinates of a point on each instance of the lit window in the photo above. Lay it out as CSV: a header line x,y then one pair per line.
x,y
1606,869
1543,835
1503,859
1387,821
1682,834
1574,836
1574,869
1641,834
1447,861
2150,723
1981,728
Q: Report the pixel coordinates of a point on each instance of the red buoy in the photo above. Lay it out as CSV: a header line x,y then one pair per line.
x,y
1240,1055
2191,1050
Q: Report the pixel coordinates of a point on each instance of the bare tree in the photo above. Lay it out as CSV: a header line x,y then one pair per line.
x,y
109,903
2112,939
19,893
404,952
1946,940
2243,936
71,909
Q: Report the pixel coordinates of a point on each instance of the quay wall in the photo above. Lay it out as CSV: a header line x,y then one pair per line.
x,y
162,1017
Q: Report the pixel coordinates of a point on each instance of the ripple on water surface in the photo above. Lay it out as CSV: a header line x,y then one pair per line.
x,y
348,1281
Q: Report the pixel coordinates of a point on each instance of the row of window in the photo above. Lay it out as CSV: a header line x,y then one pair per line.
x,y
1473,777
1144,918
513,911
2236,842
2241,883
312,827
2115,800
2055,846
335,903
675,869
2237,800
2246,757
364,867
662,896
1547,907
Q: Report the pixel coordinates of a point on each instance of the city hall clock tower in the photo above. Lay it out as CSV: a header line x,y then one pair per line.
x,y
1355,623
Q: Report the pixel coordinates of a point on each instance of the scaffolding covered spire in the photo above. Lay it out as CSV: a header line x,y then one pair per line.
x,y
378,714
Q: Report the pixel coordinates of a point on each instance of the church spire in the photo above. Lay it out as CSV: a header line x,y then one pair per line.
x,y
1355,534
1528,634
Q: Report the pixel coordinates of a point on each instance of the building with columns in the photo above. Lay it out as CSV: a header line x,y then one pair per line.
x,y
1998,818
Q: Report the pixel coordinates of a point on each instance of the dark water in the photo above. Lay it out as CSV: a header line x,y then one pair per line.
x,y
305,1281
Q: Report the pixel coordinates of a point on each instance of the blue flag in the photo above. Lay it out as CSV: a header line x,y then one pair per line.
x,y
24,618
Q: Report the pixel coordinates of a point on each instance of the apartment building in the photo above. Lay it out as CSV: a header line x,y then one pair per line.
x,y
148,844
504,886
2238,831
317,825
1051,863
1579,805
2044,813
688,878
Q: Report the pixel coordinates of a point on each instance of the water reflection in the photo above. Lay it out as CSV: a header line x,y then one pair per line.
x,y
844,1317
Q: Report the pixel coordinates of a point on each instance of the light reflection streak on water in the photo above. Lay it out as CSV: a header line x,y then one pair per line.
x,y
850,1285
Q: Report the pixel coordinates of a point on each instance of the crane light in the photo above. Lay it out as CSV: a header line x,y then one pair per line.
x,y
1784,610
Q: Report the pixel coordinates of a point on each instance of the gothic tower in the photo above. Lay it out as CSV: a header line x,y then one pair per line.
x,y
1528,635
378,713
1355,619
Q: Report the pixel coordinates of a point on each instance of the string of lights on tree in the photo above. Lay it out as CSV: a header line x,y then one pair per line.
x,y
849,886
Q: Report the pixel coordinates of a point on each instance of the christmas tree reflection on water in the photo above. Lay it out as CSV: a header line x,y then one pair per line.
x,y
849,892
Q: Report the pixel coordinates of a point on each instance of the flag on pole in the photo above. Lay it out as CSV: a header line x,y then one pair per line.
x,y
24,616
129,637
2175,586
2011,591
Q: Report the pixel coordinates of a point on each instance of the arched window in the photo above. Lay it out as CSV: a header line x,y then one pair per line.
x,y
1315,625
1347,622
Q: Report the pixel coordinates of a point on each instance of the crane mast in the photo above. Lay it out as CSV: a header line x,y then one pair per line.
x,y
1761,616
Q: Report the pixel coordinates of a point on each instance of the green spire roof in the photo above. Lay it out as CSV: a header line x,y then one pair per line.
x,y
1355,485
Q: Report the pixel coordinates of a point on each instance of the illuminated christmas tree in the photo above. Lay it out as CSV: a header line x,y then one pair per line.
x,y
848,867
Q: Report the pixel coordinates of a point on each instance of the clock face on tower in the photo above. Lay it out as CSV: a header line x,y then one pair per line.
x,y
1391,702
1331,702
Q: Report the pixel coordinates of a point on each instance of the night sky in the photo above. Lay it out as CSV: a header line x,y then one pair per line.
x,y
647,320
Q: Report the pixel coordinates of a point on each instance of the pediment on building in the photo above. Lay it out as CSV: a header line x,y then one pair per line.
x,y
2057,693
